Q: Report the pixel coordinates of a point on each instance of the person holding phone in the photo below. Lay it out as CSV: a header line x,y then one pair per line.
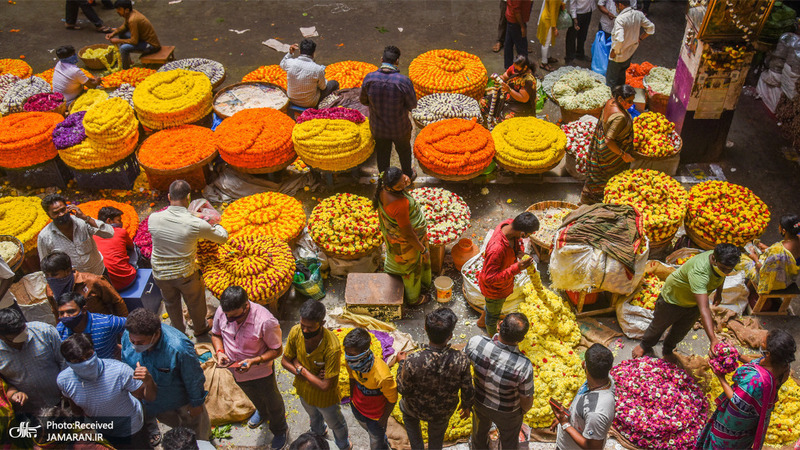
x,y
587,422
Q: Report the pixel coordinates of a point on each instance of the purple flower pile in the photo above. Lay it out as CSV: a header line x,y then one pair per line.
x,y
727,359
659,406
46,101
331,113
70,132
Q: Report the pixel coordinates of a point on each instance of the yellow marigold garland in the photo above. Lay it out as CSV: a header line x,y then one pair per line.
x,y
23,218
16,67
130,219
349,74
172,98
265,214
333,144
270,74
528,143
722,212
345,224
88,99
112,133
448,71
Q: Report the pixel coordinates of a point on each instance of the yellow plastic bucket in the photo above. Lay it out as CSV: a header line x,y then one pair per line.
x,y
444,289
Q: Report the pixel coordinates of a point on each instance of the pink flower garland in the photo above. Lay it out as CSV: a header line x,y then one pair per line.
x,y
331,113
726,360
143,239
45,101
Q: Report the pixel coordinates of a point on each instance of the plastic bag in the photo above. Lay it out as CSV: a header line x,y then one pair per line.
x,y
634,320
203,209
789,78
581,267
311,286
564,20
601,48
769,92
541,98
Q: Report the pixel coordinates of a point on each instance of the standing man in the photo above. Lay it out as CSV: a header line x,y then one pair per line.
x,y
107,390
313,356
104,331
119,254
684,299
306,85
625,38
501,28
71,232
175,232
581,13
68,79
429,381
247,338
169,354
503,383
30,360
593,408
500,265
390,96
62,279
518,12
608,10
136,34
71,16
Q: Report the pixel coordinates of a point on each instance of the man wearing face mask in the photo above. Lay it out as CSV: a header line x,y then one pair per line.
x,y
685,298
71,232
313,356
247,338
103,330
30,361
100,296
68,79
106,389
169,356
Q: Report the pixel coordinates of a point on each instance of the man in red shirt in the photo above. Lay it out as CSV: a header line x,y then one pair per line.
x,y
500,265
119,254
518,12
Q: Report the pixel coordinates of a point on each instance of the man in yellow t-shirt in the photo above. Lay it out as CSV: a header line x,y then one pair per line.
x,y
684,299
313,355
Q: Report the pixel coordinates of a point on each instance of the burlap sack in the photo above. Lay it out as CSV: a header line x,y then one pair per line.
x,y
594,332
225,402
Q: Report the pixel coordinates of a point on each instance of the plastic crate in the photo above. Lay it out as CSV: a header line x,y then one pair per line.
x,y
53,173
119,176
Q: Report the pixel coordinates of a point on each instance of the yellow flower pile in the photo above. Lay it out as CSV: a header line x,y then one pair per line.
x,y
722,212
344,377
345,224
646,297
652,135
448,70
88,99
262,265
172,98
660,199
23,218
333,144
266,214
112,133
528,144
349,74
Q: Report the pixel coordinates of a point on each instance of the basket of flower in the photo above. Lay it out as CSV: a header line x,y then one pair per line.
x,y
214,70
446,70
99,56
345,226
528,145
349,74
16,67
23,218
19,92
256,140
577,92
178,153
249,95
655,138
172,98
447,214
265,214
268,74
724,213
454,149
440,106
658,84
12,251
333,139
46,102
550,215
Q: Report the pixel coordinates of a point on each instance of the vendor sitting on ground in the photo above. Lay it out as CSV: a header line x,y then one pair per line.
x,y
119,254
517,96
68,79
136,34
777,267
305,80
684,299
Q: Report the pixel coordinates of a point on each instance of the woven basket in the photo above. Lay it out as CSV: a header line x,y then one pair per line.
x,y
17,259
544,248
700,241
283,108
194,174
529,171
452,177
95,63
660,158
571,115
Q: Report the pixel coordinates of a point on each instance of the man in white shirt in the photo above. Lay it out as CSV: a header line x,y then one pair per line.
x,y
625,38
175,232
608,12
305,79
68,79
581,13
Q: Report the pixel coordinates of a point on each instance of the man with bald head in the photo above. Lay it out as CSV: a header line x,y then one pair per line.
x,y
175,233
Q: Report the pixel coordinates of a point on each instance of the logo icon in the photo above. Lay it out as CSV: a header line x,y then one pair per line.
x,y
24,431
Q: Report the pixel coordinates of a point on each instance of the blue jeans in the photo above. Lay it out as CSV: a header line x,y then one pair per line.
x,y
436,430
332,415
377,432
514,40
125,50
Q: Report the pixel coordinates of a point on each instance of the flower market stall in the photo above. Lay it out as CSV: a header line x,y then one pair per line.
x,y
269,74
333,139
266,214
210,68
257,140
448,70
454,149
349,74
345,226
577,92
440,106
721,212
172,98
178,153
528,145
249,95
447,215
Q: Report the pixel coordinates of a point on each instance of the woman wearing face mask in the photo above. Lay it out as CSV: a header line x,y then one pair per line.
x,y
743,409
776,268
405,231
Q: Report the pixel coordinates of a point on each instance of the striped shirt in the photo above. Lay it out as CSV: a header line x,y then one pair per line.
x,y
34,368
304,79
502,373
81,248
104,330
324,362
109,396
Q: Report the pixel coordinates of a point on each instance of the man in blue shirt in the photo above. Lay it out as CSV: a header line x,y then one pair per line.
x,y
170,358
104,330
390,96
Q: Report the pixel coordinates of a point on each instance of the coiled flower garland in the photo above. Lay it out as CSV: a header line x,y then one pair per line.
x,y
345,224
454,147
112,133
256,138
172,98
333,144
528,143
130,219
178,147
270,74
26,139
268,213
448,70
349,74
23,218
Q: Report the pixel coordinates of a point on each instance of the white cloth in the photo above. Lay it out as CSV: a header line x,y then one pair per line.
x,y
5,274
576,7
68,80
304,80
625,35
81,249
175,232
606,23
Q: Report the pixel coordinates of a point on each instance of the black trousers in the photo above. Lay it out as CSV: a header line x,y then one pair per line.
x,y
383,147
501,27
266,397
72,12
665,315
576,39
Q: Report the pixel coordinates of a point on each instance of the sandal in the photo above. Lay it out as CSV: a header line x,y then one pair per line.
x,y
104,29
73,27
497,47
547,67
154,440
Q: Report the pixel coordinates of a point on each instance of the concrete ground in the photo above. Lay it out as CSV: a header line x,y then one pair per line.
x,y
358,30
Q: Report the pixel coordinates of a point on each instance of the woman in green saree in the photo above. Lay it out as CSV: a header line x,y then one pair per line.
x,y
405,230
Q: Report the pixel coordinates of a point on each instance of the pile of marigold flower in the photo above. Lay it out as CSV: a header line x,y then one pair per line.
x,y
130,219
265,214
722,212
448,70
335,144
349,74
112,133
269,74
23,218
89,98
635,74
132,76
172,98
345,225
454,147
528,144
654,135
446,212
648,293
178,147
16,67
26,139
256,138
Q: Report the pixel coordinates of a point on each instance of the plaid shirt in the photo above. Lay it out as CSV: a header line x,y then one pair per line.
x,y
390,96
502,374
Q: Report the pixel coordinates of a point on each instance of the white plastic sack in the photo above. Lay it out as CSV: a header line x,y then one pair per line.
x,y
793,59
770,94
306,247
789,78
785,44
30,293
581,267
734,292
231,185
634,320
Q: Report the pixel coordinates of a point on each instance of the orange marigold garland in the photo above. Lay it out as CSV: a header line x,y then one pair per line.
x,y
269,74
448,71
16,67
349,74
268,213
130,219
454,147
176,148
132,76
256,138
26,139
